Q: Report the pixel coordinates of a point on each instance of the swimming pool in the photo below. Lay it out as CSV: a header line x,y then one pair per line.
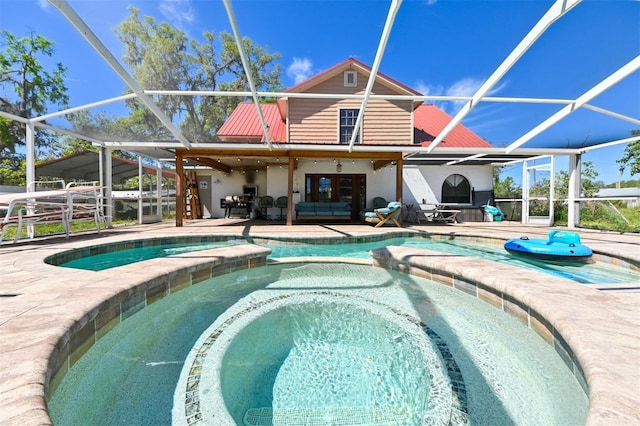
x,y
510,375
590,273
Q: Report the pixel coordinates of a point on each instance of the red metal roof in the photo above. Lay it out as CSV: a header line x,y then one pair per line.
x,y
429,121
244,123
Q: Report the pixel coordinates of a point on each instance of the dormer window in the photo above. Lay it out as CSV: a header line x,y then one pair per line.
x,y
348,119
350,78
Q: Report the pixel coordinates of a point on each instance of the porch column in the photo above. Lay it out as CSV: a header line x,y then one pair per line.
x,y
399,180
399,163
292,162
573,205
179,190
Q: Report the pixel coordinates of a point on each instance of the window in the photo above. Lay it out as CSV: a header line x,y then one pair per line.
x,y
456,189
348,119
325,186
350,78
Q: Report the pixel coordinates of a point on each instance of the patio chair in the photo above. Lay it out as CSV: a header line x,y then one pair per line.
x,y
262,205
383,215
426,212
379,202
281,202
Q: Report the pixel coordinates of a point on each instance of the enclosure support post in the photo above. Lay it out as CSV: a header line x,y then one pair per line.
x,y
158,191
575,164
140,189
525,193
107,183
552,191
31,165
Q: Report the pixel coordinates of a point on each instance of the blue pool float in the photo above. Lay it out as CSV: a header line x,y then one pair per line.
x,y
560,246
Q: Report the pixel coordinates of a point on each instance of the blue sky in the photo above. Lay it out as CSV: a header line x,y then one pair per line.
x,y
438,47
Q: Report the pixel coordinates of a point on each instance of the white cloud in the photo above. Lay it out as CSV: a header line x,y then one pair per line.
x,y
431,2
300,69
429,90
178,12
464,87
43,4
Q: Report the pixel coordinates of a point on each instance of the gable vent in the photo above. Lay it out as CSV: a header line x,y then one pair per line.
x,y
350,78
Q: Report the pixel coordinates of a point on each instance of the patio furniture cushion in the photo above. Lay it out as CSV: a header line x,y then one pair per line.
x,y
309,210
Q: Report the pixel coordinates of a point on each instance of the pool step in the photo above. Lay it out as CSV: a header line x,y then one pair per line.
x,y
380,416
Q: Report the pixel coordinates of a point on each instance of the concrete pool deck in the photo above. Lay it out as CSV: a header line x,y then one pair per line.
x,y
40,303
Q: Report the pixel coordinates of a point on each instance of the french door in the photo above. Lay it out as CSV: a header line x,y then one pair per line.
x,y
325,187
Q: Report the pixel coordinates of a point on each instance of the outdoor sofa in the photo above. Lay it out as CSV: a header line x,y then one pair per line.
x,y
333,210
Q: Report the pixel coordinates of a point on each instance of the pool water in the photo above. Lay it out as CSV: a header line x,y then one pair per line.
x,y
322,358
113,259
589,273
509,374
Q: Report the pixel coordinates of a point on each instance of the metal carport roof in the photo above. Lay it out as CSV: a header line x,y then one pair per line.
x,y
85,166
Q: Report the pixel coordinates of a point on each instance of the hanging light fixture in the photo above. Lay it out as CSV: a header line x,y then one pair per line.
x,y
338,167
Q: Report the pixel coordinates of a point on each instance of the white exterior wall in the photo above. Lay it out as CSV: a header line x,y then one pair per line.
x,y
425,182
420,182
220,185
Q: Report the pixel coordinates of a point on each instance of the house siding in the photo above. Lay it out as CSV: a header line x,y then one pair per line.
x,y
316,120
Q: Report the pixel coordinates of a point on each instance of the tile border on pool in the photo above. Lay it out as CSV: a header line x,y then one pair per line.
x,y
458,415
432,268
67,256
80,337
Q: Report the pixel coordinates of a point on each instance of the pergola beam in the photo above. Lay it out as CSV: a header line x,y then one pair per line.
x,y
631,67
85,31
209,162
391,16
381,164
247,69
557,10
